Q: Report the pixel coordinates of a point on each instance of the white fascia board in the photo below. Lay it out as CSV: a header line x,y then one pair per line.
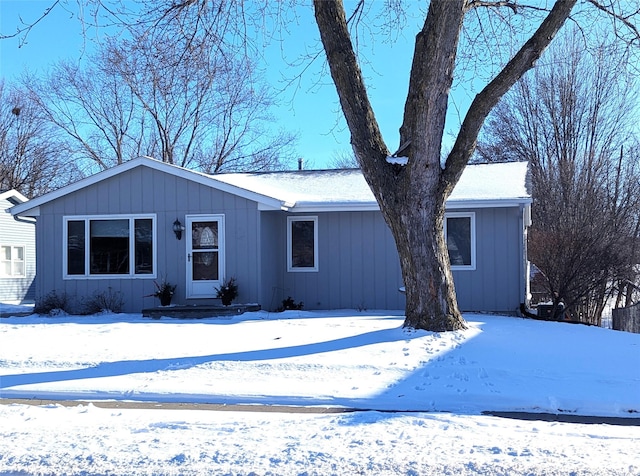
x,y
512,202
302,207
310,207
13,194
30,208
277,206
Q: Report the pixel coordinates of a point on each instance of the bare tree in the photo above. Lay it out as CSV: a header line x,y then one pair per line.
x,y
164,89
344,160
207,104
569,119
31,156
94,107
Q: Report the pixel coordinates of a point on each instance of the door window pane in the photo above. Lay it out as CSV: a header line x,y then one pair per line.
x,y
205,266
204,235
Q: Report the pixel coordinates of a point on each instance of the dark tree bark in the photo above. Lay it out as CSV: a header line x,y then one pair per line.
x,y
412,197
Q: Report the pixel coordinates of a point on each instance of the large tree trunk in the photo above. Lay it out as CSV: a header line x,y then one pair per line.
x,y
430,292
412,197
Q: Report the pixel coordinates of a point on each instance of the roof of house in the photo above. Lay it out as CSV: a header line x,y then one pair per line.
x,y
482,185
13,196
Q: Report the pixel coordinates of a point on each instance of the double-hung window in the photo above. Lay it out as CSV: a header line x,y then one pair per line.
x,y
302,243
110,246
460,233
12,261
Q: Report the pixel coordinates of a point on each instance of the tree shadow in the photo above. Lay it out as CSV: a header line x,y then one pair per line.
x,y
126,367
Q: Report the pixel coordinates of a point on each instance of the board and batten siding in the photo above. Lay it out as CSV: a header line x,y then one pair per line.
x,y
358,266
144,190
14,232
497,283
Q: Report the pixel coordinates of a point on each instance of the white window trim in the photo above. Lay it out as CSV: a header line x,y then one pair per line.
x,y
472,216
24,262
290,267
87,219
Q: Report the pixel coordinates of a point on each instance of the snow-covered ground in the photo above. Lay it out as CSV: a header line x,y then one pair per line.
x,y
440,382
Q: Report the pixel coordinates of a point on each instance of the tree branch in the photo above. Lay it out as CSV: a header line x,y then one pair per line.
x,y
29,26
484,102
623,19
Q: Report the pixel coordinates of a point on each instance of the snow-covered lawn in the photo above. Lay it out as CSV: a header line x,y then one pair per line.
x,y
441,383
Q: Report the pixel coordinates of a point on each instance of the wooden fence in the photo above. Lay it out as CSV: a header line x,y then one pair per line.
x,y
627,318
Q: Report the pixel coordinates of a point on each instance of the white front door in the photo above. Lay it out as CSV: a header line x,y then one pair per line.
x,y
205,254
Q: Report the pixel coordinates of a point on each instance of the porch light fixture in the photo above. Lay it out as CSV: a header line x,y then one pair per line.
x,y
178,228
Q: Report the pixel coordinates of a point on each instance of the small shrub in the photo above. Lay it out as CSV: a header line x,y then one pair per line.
x,y
164,291
228,291
290,305
52,304
105,301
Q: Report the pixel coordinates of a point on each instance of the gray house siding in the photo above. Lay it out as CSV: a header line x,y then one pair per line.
x,y
358,265
18,233
146,191
497,283
272,260
357,262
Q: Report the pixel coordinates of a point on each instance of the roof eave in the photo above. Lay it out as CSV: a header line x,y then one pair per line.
x,y
17,196
311,207
24,209
488,203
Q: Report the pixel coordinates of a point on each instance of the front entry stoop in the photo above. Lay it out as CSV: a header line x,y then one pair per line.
x,y
199,311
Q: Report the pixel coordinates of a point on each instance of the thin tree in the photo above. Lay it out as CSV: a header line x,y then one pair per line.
x,y
31,156
569,119
94,108
162,89
208,106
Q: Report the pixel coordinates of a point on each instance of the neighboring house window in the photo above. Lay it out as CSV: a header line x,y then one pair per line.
x,y
302,243
460,232
12,262
109,246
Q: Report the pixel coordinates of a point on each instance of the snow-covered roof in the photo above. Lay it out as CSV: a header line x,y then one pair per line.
x,y
308,189
13,196
486,185
481,185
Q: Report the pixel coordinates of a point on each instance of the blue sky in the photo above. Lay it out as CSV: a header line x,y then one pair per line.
x,y
311,110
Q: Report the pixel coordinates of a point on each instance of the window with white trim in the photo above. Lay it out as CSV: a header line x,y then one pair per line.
x,y
12,261
302,243
110,246
460,233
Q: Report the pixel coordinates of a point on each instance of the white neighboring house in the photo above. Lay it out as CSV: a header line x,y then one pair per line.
x,y
17,252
